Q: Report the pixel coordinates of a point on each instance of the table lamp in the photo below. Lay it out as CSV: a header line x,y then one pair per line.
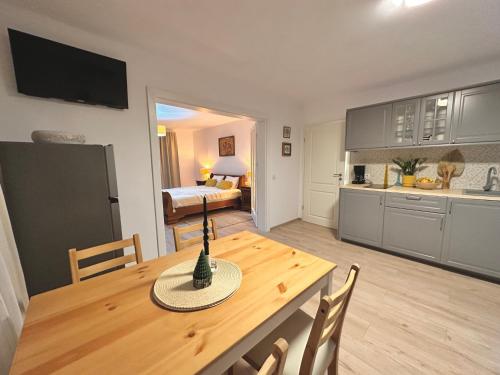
x,y
205,173
248,180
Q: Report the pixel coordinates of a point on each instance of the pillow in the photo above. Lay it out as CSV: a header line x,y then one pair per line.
x,y
234,181
211,182
224,185
218,177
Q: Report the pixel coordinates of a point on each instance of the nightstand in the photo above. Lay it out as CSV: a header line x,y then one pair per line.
x,y
199,183
246,198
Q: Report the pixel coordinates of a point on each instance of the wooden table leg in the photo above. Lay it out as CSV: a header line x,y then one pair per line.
x,y
327,290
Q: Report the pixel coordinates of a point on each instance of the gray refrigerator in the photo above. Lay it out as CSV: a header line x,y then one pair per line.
x,y
59,196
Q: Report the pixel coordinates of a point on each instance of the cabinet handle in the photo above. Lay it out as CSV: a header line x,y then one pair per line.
x,y
381,200
451,205
413,198
442,224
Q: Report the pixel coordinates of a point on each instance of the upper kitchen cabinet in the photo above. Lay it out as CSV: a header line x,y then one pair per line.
x,y
469,115
366,127
477,115
435,119
403,129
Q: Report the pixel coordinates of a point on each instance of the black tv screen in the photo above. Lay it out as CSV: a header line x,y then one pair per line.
x,y
53,70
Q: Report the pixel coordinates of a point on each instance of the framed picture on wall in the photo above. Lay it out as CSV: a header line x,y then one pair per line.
x,y
287,131
286,149
226,146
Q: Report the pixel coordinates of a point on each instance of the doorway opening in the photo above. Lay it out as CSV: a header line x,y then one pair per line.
x,y
199,151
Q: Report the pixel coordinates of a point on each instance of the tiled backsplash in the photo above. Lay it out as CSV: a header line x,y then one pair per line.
x,y
478,158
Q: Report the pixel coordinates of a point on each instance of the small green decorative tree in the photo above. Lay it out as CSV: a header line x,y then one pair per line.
x,y
202,275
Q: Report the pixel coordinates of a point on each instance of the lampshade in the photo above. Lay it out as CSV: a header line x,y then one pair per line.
x,y
248,178
204,170
162,130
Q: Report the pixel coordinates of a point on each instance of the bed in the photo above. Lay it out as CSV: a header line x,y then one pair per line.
x,y
183,201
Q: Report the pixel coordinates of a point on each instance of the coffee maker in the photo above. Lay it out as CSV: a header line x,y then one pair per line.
x,y
359,174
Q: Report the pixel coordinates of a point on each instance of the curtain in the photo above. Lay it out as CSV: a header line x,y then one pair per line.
x,y
169,157
13,295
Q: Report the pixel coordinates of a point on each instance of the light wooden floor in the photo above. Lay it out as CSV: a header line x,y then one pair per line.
x,y
405,317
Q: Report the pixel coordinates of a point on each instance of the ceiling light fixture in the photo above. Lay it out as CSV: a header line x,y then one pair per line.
x,y
410,3
162,130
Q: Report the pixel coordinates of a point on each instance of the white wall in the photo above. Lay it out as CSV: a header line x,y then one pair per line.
x,y
128,130
187,166
207,147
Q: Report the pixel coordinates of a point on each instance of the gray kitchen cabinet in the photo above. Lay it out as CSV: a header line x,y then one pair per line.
x,y
476,115
418,202
414,233
361,216
472,236
403,129
435,119
366,127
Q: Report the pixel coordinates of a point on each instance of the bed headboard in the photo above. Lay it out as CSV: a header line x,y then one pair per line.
x,y
241,182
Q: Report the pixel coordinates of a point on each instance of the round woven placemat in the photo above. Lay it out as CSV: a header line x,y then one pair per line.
x,y
174,288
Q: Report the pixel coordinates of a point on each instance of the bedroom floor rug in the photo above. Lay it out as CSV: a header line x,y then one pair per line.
x,y
228,221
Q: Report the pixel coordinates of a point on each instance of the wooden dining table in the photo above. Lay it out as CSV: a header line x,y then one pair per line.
x,y
111,324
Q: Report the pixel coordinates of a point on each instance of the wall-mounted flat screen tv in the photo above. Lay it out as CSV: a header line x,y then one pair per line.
x,y
48,69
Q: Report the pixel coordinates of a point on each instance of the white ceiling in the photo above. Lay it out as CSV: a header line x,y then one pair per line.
x,y
183,118
302,49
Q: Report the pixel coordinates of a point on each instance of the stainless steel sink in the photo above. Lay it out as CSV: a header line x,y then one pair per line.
x,y
491,193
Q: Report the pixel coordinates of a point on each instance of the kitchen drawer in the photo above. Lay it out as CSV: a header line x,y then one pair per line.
x,y
419,202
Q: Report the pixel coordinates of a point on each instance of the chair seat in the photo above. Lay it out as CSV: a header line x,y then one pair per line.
x,y
295,330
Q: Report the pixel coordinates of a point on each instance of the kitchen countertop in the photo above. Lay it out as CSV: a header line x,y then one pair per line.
x,y
452,193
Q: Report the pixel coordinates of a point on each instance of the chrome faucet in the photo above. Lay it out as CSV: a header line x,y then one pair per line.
x,y
489,179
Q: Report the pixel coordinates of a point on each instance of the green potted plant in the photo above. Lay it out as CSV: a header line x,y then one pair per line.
x,y
408,168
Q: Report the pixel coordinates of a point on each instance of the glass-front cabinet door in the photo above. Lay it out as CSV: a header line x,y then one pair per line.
x,y
435,119
404,123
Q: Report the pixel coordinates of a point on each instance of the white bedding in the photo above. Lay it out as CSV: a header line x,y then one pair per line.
x,y
193,195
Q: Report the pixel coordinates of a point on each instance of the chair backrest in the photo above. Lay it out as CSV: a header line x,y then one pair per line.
x,y
329,320
75,256
180,231
275,363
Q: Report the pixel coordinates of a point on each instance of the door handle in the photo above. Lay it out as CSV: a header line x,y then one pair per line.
x,y
442,224
339,175
413,198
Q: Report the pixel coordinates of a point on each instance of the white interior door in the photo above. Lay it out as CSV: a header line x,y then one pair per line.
x,y
253,169
323,168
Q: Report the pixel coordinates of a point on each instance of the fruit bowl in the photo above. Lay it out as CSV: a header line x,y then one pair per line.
x,y
427,183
